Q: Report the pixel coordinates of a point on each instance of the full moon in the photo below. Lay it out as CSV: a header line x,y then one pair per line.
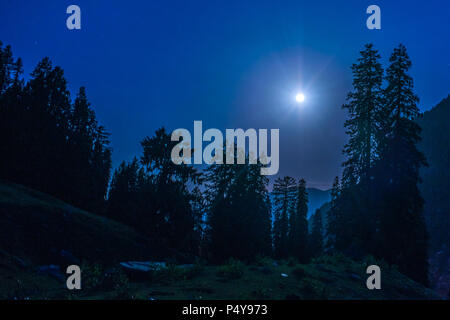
x,y
300,97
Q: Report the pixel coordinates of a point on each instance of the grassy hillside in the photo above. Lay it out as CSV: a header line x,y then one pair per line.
x,y
35,228
328,277
45,230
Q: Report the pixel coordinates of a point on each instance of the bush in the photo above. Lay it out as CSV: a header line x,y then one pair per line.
x,y
263,261
334,259
121,285
92,277
299,272
313,289
291,261
167,274
193,272
234,269
262,293
369,260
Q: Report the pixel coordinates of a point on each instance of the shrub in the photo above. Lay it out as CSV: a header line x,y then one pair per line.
x,y
262,293
334,259
369,260
94,279
312,289
196,270
291,261
234,269
92,276
173,272
167,274
299,272
263,261
121,285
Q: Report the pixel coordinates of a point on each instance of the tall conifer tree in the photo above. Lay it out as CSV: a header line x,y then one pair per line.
x,y
298,226
315,242
284,201
365,108
402,226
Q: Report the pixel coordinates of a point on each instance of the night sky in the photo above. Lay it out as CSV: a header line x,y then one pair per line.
x,y
231,64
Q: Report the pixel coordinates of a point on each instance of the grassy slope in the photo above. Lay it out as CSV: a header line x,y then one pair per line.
x,y
37,227
323,279
18,280
32,223
327,278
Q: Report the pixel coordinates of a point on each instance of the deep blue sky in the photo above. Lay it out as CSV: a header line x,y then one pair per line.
x,y
232,64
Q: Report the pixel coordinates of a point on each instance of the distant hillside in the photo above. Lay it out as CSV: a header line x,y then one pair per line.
x,y
435,189
44,230
316,199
